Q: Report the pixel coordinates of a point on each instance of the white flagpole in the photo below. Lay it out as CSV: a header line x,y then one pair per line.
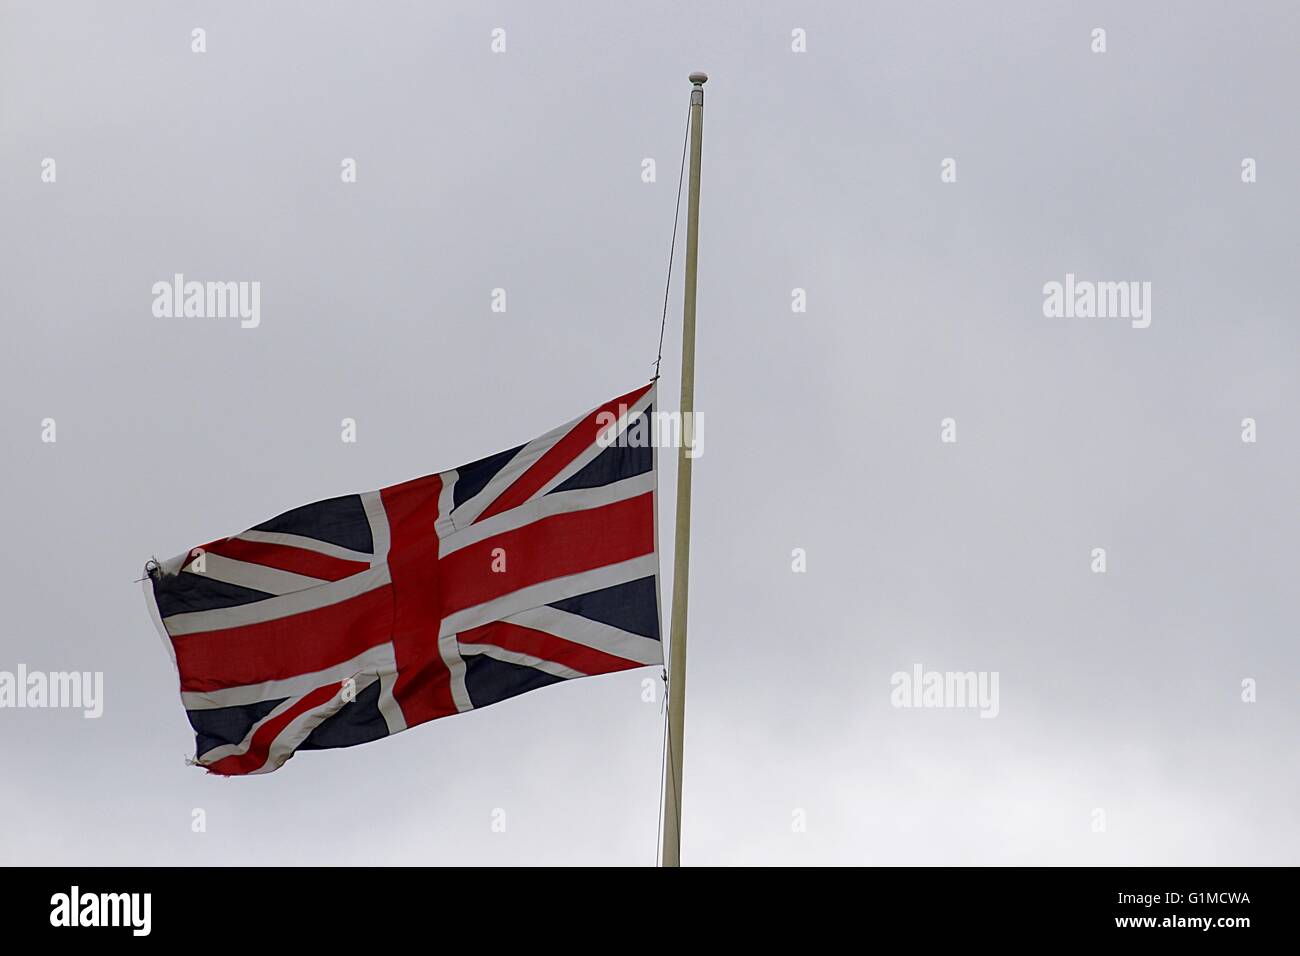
x,y
672,836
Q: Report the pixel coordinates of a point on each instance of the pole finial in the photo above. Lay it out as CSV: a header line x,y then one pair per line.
x,y
699,77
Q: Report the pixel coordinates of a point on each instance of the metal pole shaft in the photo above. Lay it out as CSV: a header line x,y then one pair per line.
x,y
672,842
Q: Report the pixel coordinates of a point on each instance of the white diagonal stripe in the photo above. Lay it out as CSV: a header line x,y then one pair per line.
x,y
230,750
556,589
294,733
561,502
594,634
528,455
527,660
271,609
286,742
524,459
306,544
245,574
375,660
603,440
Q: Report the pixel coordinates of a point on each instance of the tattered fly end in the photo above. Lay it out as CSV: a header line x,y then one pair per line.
x,y
195,762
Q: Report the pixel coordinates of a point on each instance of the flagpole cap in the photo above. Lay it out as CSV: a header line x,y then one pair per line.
x,y
699,78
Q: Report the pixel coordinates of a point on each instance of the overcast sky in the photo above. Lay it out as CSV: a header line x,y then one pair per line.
x,y
522,170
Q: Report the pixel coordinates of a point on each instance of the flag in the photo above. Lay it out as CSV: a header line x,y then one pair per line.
x,y
350,619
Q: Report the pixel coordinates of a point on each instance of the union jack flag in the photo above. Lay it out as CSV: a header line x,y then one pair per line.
x,y
350,619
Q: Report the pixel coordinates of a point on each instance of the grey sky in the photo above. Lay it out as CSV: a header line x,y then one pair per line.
x,y
821,171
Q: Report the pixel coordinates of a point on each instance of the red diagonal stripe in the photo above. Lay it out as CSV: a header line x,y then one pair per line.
x,y
549,548
526,640
298,560
259,747
581,436
286,647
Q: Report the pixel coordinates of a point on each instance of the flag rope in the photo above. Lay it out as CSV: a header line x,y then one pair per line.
x,y
663,758
672,247
663,322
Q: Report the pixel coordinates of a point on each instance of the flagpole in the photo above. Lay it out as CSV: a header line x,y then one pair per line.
x,y
672,837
